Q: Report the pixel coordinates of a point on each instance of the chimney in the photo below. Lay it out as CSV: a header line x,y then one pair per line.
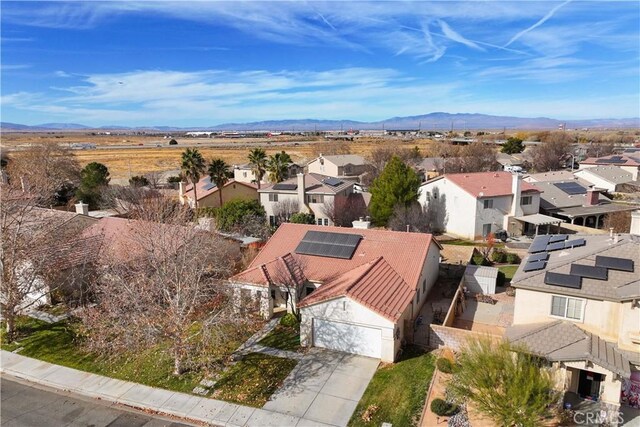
x,y
82,208
181,188
592,197
516,190
301,192
635,223
363,225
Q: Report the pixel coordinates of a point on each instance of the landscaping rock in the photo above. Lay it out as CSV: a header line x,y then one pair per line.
x,y
201,391
208,383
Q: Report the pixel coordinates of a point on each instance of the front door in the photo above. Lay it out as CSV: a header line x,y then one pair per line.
x,y
589,385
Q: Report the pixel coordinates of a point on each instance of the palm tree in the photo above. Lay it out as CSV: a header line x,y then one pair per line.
x,y
193,166
219,173
258,162
278,166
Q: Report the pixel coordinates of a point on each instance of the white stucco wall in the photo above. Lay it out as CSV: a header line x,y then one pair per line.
x,y
595,180
459,205
328,168
609,387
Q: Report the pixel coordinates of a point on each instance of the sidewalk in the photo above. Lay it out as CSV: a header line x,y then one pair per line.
x,y
199,409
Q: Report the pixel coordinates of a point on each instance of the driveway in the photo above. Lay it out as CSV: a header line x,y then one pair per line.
x,y
324,388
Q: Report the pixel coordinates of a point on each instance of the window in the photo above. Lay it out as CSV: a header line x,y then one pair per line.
x,y
424,285
486,229
244,174
526,200
319,221
418,296
272,220
326,222
488,203
315,198
273,197
570,308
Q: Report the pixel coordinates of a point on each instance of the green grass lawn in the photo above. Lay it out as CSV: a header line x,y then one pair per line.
x,y
253,379
509,271
282,337
398,390
58,343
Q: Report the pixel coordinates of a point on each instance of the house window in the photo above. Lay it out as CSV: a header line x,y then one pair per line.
x,y
272,220
319,221
488,203
526,200
273,197
418,296
424,285
315,198
569,308
244,174
326,222
486,229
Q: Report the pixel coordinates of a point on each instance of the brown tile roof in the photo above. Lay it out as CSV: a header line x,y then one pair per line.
x,y
565,341
205,182
374,284
314,184
489,184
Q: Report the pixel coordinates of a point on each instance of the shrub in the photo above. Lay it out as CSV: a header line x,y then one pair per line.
x,y
444,365
174,179
138,181
289,320
173,142
235,213
443,408
480,260
302,218
498,256
513,259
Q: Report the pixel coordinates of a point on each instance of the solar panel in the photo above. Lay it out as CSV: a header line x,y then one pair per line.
x,y
574,243
555,246
209,186
286,187
589,271
613,263
332,245
539,244
534,266
571,188
563,280
540,256
334,182
558,238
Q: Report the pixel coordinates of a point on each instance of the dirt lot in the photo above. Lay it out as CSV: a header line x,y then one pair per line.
x,y
127,155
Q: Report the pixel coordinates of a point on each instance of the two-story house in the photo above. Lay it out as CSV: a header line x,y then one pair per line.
x,y
357,290
577,304
307,193
345,166
477,204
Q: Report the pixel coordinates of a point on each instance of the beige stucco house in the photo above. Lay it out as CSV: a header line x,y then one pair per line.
x,y
339,166
208,196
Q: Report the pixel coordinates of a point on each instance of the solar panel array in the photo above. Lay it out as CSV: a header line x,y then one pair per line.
x,y
571,188
612,263
574,243
614,160
556,246
539,244
331,245
563,280
286,187
558,238
540,256
209,186
598,273
334,182
534,266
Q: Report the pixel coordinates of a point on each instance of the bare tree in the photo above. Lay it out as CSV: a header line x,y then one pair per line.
x,y
343,210
550,155
291,282
162,283
475,157
409,218
600,149
619,221
332,148
155,179
284,209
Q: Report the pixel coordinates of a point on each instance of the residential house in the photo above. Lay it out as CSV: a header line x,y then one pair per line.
x,y
430,167
359,290
609,178
629,162
245,173
208,193
577,304
308,193
477,204
343,166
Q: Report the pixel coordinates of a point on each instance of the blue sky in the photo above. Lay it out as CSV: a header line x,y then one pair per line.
x,y
204,63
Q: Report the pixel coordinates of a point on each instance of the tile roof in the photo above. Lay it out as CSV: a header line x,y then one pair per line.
x,y
375,285
314,184
487,184
612,174
620,285
565,341
345,159
206,182
626,160
554,198
549,176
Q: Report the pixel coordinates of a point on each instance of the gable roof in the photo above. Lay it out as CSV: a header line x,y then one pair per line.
x,y
553,197
624,160
487,184
205,187
314,184
564,341
404,252
611,174
344,159
619,286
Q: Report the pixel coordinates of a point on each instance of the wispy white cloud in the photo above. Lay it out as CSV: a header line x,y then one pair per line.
x,y
544,19
14,67
453,35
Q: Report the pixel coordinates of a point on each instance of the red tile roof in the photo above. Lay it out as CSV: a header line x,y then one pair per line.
x,y
206,182
488,184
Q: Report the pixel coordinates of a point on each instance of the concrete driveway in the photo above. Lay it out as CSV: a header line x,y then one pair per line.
x,y
324,388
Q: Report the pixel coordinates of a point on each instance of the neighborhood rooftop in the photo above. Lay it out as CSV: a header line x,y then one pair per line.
x,y
314,184
487,184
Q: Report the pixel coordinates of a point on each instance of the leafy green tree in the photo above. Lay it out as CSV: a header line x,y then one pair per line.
x,y
397,185
193,166
278,166
219,172
302,218
258,162
505,382
235,213
138,181
93,179
512,146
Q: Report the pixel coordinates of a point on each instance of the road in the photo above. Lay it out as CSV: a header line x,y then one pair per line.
x,y
27,405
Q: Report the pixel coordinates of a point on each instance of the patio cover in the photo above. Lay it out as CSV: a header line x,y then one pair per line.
x,y
595,210
539,219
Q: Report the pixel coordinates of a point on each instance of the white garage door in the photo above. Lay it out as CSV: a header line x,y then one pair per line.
x,y
347,337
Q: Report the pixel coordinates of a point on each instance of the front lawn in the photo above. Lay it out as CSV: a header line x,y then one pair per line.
x,y
509,271
58,343
253,380
397,390
283,338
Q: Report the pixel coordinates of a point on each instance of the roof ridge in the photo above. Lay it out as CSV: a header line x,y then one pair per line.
x,y
543,326
371,263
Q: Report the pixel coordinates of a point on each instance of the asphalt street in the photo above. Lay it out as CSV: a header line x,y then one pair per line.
x,y
26,405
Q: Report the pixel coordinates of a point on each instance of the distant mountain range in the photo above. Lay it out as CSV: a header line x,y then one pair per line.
x,y
432,121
